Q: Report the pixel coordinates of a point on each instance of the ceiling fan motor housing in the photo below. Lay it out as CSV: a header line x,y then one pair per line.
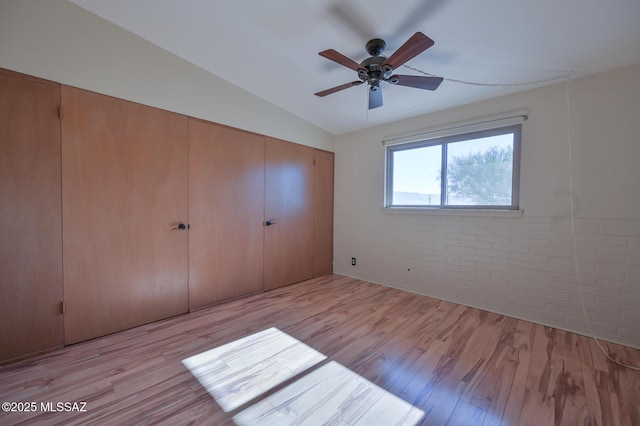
x,y
375,69
376,46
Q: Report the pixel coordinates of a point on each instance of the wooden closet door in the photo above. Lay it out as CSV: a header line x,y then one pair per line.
x,y
125,186
30,216
288,242
323,213
226,208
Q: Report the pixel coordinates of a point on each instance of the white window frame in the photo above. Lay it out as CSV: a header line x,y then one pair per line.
x,y
515,129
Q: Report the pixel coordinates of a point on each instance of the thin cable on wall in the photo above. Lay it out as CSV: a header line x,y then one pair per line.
x,y
573,235
474,83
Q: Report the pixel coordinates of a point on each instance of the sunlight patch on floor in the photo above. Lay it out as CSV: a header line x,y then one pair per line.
x,y
332,394
244,369
241,371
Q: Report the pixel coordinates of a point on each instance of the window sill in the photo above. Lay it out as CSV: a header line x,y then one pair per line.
x,y
453,212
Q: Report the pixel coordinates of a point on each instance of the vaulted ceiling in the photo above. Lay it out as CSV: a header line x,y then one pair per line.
x,y
270,48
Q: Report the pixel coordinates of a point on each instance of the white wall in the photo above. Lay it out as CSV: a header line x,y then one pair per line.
x,y
519,266
59,41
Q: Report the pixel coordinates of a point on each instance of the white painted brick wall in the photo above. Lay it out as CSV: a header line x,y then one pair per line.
x,y
522,267
519,266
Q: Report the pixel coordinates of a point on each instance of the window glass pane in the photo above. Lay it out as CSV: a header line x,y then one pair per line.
x,y
416,176
480,171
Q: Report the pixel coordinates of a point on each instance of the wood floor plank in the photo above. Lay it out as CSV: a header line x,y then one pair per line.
x,y
464,361
452,363
569,394
513,392
539,401
466,414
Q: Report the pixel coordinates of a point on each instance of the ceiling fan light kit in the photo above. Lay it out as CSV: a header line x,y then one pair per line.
x,y
379,68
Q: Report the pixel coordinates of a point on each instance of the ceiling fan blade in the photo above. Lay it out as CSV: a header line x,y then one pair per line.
x,y
418,15
338,88
341,59
352,19
419,82
417,44
375,98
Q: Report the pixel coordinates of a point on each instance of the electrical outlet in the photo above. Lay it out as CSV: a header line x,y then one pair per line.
x,y
353,261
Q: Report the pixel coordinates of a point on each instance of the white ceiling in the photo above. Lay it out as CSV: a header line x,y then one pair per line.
x,y
270,48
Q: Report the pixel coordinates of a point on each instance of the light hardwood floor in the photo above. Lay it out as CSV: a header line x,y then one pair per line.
x,y
355,353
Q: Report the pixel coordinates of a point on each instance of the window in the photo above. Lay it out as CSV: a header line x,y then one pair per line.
x,y
477,170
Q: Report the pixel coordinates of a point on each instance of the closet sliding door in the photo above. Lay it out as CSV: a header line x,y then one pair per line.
x,y
288,238
124,195
226,208
30,216
323,213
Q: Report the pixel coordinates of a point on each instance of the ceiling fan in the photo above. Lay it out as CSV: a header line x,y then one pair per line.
x,y
379,68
